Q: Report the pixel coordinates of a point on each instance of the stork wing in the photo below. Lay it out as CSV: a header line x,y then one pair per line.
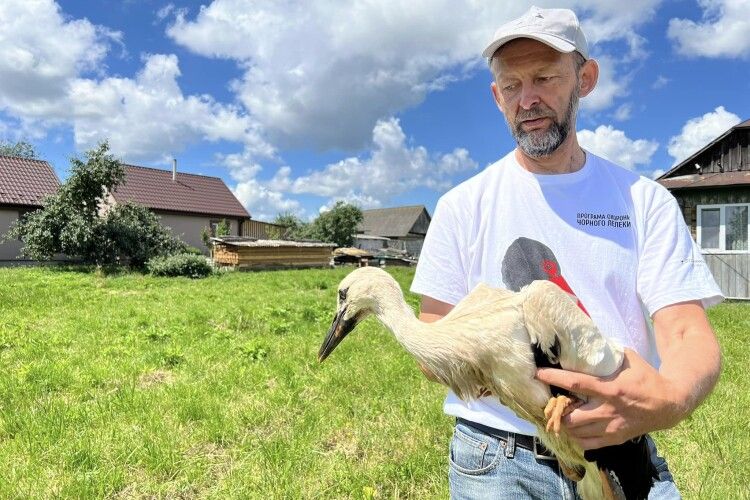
x,y
552,316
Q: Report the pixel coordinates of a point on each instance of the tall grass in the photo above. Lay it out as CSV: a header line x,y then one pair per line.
x,y
131,386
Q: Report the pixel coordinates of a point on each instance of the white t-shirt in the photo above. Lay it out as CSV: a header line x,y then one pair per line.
x,y
614,239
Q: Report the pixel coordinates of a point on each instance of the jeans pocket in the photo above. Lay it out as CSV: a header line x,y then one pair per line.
x,y
474,453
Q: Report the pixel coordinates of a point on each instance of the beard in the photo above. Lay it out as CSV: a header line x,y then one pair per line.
x,y
539,143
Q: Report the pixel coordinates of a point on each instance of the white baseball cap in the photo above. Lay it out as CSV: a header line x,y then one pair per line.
x,y
558,28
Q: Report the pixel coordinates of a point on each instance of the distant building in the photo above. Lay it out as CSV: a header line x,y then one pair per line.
x,y
24,183
405,227
712,188
186,203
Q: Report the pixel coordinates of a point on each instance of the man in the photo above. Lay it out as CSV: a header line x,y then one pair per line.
x,y
615,240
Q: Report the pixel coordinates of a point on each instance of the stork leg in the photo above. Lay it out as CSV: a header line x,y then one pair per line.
x,y
555,410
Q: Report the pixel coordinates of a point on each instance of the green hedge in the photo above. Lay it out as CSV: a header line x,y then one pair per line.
x,y
181,264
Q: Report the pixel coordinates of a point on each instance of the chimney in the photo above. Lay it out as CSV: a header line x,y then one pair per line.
x,y
174,169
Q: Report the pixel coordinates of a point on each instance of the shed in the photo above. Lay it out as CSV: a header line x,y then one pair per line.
x,y
712,188
249,253
24,183
405,227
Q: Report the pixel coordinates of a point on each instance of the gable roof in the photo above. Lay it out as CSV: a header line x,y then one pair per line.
x,y
24,181
391,222
690,159
191,193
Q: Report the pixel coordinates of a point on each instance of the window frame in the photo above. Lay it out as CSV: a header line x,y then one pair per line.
x,y
722,227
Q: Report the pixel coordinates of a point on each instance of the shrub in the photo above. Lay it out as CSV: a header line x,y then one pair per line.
x,y
181,264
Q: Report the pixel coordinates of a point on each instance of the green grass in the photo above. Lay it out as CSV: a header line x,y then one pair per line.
x,y
130,386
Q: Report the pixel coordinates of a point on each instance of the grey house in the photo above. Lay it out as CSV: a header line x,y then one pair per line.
x,y
24,183
712,188
405,228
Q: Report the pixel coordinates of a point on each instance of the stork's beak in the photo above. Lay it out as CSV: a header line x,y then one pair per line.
x,y
340,328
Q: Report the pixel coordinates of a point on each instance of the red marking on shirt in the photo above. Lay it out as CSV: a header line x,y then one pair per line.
x,y
550,269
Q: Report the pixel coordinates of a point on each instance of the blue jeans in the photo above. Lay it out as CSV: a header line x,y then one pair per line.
x,y
485,467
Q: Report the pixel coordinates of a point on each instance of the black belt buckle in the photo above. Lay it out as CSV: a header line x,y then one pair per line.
x,y
541,452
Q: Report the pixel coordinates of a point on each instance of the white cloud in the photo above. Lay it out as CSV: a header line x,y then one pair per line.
x,y
623,112
149,117
699,131
660,82
723,31
392,168
41,52
657,173
321,74
615,146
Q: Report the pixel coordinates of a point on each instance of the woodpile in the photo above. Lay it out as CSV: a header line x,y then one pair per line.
x,y
247,253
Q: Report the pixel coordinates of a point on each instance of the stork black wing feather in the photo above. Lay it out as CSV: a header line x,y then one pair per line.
x,y
630,464
542,360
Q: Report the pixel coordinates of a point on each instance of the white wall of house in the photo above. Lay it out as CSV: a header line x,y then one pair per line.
x,y
9,250
189,227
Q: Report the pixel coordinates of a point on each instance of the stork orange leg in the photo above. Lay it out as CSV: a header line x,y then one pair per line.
x,y
557,407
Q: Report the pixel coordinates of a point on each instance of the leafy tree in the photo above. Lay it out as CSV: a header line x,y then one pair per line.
x,y
293,229
223,228
21,148
339,224
70,221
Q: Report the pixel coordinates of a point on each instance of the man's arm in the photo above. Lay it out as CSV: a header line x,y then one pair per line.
x,y
430,311
639,399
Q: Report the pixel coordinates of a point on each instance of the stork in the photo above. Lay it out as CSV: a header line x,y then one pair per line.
x,y
494,340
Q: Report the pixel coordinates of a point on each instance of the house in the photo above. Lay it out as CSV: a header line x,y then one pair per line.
x,y
712,188
24,183
186,203
405,227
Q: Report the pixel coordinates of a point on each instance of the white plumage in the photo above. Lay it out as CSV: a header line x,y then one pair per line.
x,y
486,342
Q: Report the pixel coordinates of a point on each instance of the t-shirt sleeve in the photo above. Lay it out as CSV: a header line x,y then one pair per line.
x,y
441,272
671,268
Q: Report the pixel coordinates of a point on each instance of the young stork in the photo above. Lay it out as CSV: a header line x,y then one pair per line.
x,y
494,340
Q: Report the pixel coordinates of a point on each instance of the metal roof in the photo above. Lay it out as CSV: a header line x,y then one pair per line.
x,y
694,181
690,159
25,181
191,193
392,222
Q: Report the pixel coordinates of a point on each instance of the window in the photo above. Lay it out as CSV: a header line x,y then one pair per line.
x,y
214,227
724,227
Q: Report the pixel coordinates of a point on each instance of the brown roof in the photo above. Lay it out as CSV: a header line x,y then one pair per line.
x,y
706,180
394,222
191,193
25,181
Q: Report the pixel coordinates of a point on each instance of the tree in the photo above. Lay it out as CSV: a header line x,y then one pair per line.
x,y
70,221
22,149
339,224
223,228
294,227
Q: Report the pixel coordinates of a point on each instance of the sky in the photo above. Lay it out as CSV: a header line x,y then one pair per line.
x,y
299,104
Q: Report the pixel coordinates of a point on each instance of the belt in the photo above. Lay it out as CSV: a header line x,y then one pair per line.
x,y
531,443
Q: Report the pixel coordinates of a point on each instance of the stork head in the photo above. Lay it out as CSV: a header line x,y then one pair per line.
x,y
357,299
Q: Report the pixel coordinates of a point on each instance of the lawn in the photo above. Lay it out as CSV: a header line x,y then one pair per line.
x,y
130,386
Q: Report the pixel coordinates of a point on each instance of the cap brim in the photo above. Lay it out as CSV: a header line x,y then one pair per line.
x,y
556,43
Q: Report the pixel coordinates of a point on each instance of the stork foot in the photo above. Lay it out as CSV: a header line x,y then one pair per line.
x,y
555,411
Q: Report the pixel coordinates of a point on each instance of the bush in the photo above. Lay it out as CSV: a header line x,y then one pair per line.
x,y
181,264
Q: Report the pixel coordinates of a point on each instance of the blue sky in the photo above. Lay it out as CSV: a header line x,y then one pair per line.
x,y
299,104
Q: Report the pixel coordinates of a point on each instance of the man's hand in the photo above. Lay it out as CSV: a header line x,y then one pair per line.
x,y
632,402
638,399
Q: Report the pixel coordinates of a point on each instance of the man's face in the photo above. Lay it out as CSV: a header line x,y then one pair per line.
x,y
536,88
